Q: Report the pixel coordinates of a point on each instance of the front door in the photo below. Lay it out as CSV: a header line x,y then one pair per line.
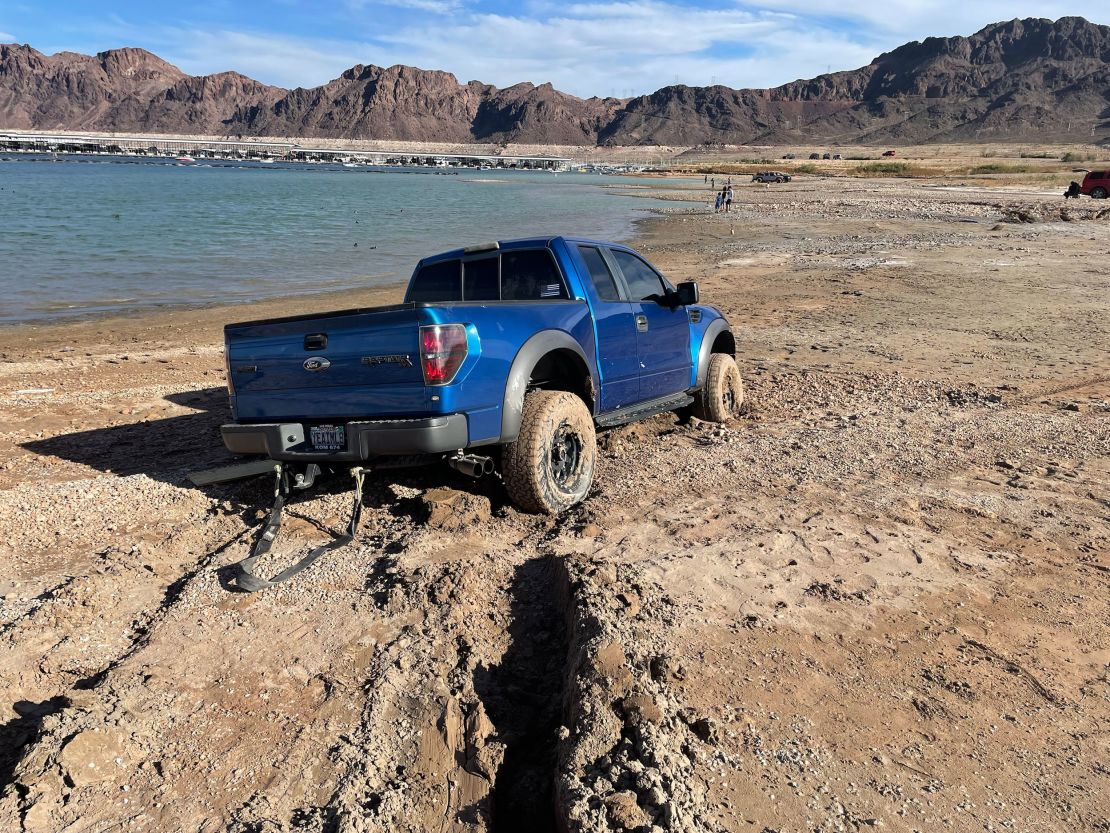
x,y
662,331
617,359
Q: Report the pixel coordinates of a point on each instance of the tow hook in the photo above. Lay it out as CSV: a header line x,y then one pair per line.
x,y
471,465
306,479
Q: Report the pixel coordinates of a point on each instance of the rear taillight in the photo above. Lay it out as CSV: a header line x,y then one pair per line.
x,y
442,352
227,367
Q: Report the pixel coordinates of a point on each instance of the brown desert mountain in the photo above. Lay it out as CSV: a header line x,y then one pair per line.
x,y
1027,80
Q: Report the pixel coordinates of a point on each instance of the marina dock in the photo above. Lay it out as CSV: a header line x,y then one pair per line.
x,y
245,149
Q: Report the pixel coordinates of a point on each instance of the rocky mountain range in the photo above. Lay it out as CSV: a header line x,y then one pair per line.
x,y
1023,80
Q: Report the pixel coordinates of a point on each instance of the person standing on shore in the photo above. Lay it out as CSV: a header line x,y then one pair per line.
x,y
728,199
717,205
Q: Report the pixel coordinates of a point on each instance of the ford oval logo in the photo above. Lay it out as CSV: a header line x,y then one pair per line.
x,y
316,363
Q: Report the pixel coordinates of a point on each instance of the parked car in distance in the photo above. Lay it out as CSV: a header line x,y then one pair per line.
x,y
503,356
789,156
815,156
826,156
837,156
890,153
1096,184
771,176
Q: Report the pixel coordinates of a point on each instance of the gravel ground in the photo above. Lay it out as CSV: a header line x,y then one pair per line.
x,y
878,600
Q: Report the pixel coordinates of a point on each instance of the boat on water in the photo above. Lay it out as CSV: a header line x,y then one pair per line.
x,y
266,161
351,165
184,159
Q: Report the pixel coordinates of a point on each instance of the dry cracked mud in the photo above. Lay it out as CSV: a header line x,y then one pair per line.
x,y
878,600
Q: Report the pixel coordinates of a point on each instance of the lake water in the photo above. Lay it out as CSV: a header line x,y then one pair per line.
x,y
94,234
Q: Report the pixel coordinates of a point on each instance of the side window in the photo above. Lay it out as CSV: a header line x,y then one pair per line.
x,y
480,280
643,281
436,282
599,273
530,275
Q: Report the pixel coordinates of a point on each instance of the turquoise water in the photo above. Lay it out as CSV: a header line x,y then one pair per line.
x,y
94,235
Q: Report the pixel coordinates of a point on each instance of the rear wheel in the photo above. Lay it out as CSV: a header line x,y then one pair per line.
x,y
723,394
1099,193
549,467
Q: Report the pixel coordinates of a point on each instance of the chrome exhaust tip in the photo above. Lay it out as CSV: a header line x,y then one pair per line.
x,y
472,465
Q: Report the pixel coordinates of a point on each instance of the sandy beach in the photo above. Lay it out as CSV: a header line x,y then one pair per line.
x,y
877,601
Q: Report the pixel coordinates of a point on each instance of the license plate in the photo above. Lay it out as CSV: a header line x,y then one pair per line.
x,y
328,437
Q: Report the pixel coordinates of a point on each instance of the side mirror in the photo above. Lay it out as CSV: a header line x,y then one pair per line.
x,y
688,293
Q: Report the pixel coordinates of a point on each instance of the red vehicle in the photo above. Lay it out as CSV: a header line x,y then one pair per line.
x,y
1096,184
890,153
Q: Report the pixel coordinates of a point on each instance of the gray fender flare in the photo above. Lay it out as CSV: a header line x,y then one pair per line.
x,y
715,328
520,372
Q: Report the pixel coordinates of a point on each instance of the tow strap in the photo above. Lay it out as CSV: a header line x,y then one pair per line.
x,y
248,581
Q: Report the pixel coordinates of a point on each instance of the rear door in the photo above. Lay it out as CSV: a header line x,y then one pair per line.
x,y
662,332
617,357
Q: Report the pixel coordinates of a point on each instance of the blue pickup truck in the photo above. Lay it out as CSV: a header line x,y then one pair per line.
x,y
504,356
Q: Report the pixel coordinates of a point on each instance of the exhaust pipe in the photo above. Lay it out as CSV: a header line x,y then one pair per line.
x,y
471,464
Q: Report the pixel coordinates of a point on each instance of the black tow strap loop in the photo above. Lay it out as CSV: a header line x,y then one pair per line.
x,y
249,581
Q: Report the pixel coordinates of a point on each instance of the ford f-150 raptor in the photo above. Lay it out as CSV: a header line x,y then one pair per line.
x,y
502,356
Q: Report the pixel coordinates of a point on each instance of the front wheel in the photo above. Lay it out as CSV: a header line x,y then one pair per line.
x,y
723,394
549,467
1099,193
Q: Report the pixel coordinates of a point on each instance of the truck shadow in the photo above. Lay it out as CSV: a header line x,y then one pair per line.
x,y
163,449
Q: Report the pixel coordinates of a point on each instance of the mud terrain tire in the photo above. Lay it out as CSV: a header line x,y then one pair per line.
x,y
1099,193
723,394
549,467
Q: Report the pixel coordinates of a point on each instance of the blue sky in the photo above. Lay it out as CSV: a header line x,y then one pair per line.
x,y
599,47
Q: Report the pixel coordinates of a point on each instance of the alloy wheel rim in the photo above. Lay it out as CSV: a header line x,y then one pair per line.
x,y
566,456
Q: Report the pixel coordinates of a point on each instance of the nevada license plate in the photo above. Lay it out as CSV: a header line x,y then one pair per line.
x,y
328,437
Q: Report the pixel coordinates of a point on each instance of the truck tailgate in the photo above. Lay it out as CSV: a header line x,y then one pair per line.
x,y
293,360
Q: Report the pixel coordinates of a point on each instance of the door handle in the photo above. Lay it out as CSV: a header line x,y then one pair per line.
x,y
641,324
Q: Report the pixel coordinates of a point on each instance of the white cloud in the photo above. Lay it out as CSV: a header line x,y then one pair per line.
x,y
6,38
633,46
597,47
437,6
273,59
919,19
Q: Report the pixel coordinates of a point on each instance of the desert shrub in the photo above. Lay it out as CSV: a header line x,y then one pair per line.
x,y
886,168
996,168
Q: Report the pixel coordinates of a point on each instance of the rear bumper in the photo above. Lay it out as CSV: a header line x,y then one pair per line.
x,y
365,439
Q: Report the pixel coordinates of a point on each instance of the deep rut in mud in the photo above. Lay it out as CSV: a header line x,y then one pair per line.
x,y
523,697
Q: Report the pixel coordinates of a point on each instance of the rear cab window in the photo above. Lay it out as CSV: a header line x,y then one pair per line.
x,y
436,282
512,275
530,275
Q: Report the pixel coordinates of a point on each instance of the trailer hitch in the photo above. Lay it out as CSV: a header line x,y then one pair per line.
x,y
250,582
